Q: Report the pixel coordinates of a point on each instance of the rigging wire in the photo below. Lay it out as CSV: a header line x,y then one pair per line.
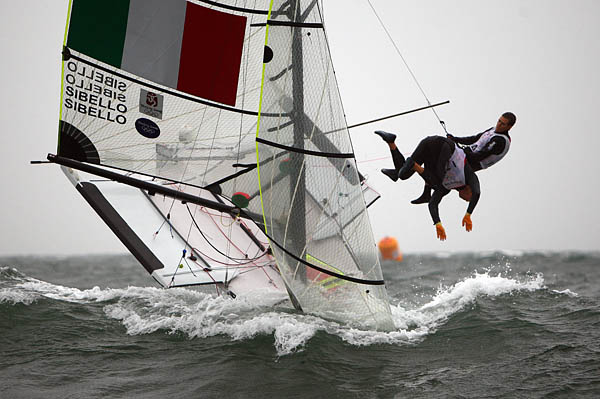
x,y
179,266
407,66
241,265
165,221
237,260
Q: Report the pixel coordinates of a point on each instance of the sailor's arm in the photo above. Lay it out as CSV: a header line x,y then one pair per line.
x,y
494,147
473,182
434,203
465,140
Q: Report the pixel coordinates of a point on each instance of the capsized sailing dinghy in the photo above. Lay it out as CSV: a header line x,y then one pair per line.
x,y
219,149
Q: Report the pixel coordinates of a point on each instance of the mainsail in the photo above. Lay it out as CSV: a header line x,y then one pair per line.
x,y
223,126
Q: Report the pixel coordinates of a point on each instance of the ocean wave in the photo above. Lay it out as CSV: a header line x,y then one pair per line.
x,y
14,297
10,293
415,324
146,310
450,300
567,292
241,320
10,274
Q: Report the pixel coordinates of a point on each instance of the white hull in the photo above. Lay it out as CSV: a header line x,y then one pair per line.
x,y
224,254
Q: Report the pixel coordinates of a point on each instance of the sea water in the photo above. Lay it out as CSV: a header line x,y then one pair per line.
x,y
501,324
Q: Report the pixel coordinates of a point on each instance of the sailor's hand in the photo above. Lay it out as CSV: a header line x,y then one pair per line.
x,y
418,168
451,137
439,229
467,222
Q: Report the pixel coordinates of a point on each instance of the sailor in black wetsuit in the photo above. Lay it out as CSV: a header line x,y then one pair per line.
x,y
445,169
483,150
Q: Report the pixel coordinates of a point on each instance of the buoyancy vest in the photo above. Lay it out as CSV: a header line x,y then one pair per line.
x,y
455,170
485,138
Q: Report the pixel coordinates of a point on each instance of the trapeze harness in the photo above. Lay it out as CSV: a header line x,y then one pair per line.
x,y
480,144
455,170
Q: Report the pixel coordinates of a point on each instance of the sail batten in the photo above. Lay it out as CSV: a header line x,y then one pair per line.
x,y
303,151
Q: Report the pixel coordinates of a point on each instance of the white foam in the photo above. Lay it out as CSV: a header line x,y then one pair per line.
x,y
567,292
8,295
213,316
453,299
95,294
200,315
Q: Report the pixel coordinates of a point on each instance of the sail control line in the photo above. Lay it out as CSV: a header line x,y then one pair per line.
x,y
409,70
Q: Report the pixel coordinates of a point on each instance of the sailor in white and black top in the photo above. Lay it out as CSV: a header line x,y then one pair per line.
x,y
482,150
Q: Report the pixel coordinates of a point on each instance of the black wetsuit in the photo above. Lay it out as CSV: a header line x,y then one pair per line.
x,y
439,192
433,153
494,147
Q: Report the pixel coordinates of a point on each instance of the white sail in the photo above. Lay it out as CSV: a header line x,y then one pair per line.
x,y
222,158
315,214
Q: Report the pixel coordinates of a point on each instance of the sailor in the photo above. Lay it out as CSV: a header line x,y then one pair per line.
x,y
445,169
483,150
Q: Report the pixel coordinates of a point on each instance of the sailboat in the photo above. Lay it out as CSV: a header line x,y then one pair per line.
x,y
211,138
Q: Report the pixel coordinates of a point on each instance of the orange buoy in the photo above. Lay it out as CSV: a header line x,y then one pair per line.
x,y
388,246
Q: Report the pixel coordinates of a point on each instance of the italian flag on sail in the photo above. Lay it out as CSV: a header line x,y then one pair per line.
x,y
171,42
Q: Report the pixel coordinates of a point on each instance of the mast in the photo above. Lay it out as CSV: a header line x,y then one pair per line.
x,y
298,180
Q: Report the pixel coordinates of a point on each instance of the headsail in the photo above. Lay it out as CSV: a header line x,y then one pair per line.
x,y
169,92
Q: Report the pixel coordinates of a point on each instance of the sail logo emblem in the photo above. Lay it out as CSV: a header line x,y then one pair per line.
x,y
151,99
147,128
151,104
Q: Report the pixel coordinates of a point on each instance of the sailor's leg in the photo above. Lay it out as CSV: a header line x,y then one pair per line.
x,y
430,178
397,157
399,161
407,170
425,197
386,136
418,156
446,151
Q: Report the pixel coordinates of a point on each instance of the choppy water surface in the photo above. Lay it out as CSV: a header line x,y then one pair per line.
x,y
467,325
